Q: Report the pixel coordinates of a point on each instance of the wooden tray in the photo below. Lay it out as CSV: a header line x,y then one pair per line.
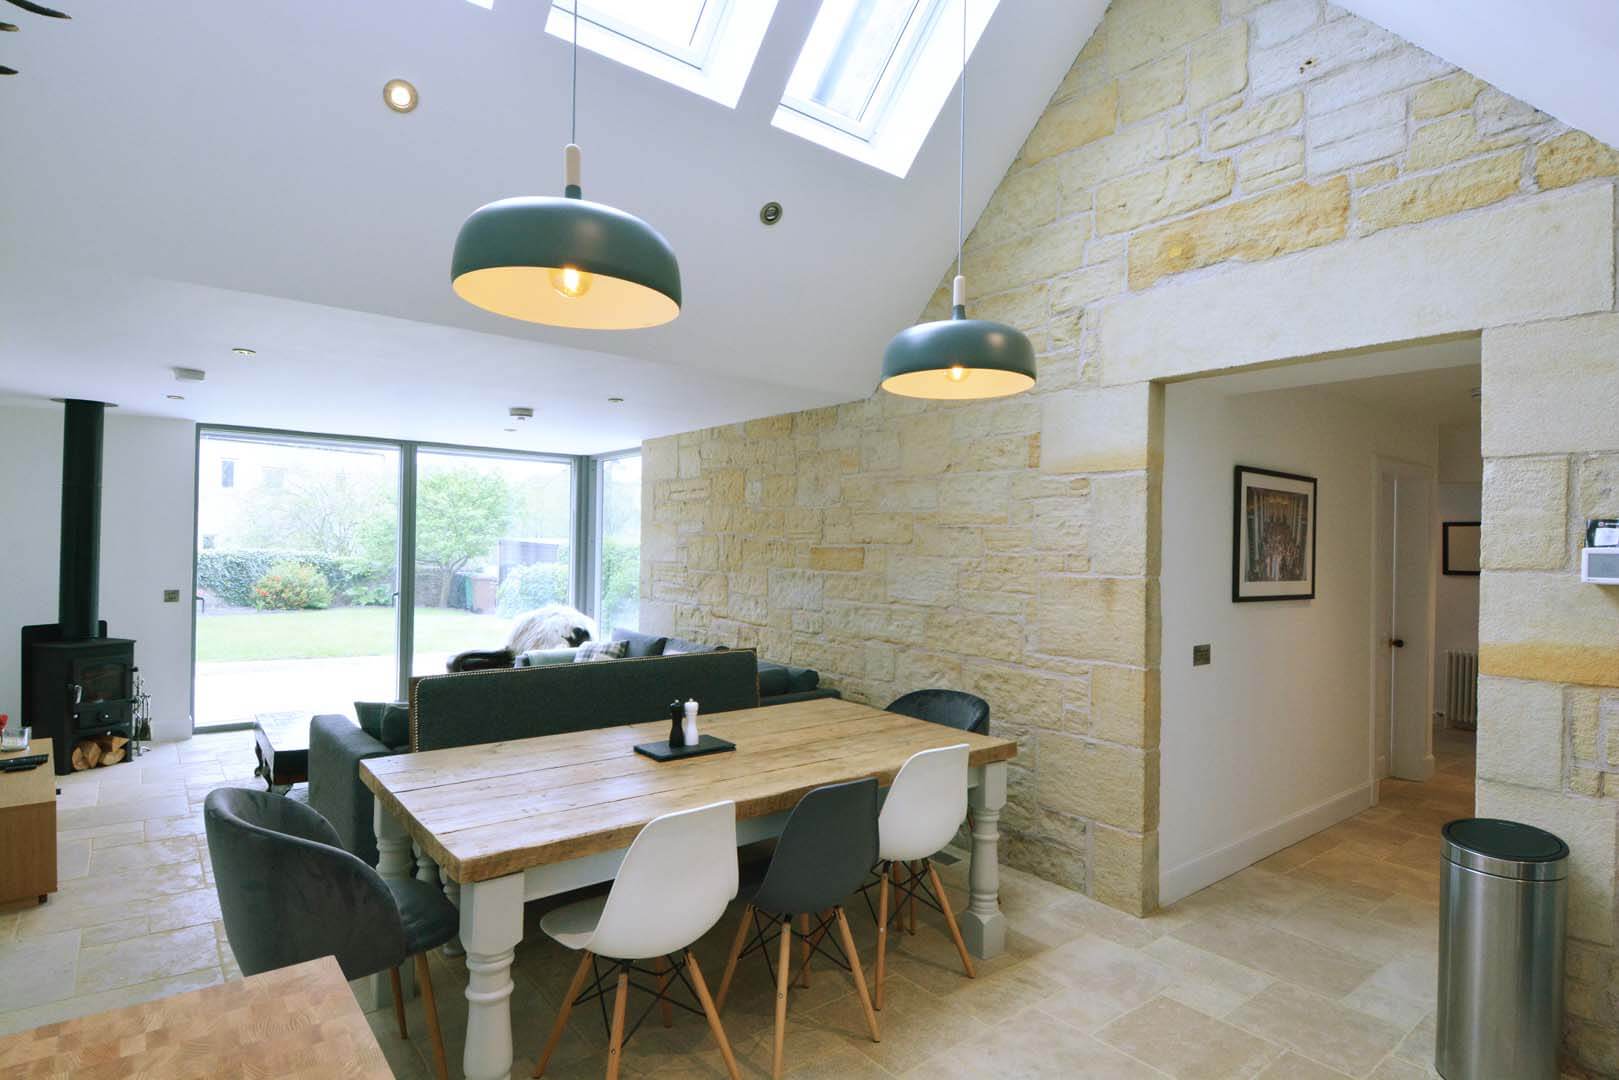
x,y
662,751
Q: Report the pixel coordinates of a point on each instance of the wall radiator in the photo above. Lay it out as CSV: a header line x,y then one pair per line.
x,y
1461,689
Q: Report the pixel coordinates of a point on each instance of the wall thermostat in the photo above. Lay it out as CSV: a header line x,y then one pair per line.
x,y
1600,565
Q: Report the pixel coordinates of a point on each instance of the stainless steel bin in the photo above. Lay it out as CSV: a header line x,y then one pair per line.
x,y
1503,898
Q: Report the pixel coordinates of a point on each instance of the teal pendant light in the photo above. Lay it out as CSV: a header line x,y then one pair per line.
x,y
958,358
566,261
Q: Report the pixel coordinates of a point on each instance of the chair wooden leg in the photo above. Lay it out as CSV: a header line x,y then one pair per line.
x,y
441,1065
713,1015
615,1042
803,951
399,1001
858,974
579,975
664,974
950,919
784,960
882,933
736,951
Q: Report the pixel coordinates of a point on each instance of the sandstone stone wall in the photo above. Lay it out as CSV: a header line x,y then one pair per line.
x,y
1212,186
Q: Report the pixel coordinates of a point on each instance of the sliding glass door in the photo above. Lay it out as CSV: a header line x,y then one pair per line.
x,y
618,541
297,572
493,538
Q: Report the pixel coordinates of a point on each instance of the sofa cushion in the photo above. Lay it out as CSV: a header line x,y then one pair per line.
x,y
676,646
600,650
388,722
781,679
544,657
639,644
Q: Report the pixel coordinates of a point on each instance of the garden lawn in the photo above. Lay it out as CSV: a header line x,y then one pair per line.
x,y
354,631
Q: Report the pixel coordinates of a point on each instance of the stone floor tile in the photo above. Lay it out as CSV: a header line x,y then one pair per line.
x,y
182,910
1319,1028
129,810
72,859
1100,980
156,956
1291,1066
1186,1044
36,970
130,857
1278,953
1005,1050
85,1004
103,836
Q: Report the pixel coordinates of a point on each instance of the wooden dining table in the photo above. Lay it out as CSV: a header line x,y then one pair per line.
x,y
507,822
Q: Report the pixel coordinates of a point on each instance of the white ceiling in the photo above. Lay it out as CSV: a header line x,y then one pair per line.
x,y
181,178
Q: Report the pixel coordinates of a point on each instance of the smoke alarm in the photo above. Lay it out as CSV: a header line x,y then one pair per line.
x,y
189,374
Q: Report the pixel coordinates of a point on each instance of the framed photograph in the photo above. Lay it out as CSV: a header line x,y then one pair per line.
x,y
1273,542
1461,548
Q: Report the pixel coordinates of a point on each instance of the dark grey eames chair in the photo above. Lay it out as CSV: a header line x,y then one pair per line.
x,y
826,850
951,708
289,893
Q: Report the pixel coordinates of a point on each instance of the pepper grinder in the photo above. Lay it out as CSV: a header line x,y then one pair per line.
x,y
677,734
690,728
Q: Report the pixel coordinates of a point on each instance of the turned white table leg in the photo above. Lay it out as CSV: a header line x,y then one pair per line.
x,y
982,924
426,869
452,891
393,861
491,927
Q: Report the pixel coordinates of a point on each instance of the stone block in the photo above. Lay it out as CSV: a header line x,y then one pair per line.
x,y
877,528
1091,430
1597,493
1450,140
1356,150
1089,618
1386,74
1571,157
1217,66
837,558
1025,307
1269,164
1357,119
1283,20
1299,216
1071,124
1114,785
1105,159
1256,121
1548,626
1329,47
1124,869
1152,88
1171,189
974,634
1587,826
921,579
1146,29
1442,194
1553,388
1117,535
1585,724
1377,174
1244,314
1023,201
1498,112
1020,696
1443,96
1045,858
1086,286
1124,706
1036,256
1520,732
1525,514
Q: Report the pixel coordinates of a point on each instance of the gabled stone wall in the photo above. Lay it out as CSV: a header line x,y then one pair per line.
x,y
1211,187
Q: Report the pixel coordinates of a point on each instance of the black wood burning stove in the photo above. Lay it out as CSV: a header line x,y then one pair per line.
x,y
77,682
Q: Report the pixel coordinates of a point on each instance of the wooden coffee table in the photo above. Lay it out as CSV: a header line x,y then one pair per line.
x,y
281,741
28,825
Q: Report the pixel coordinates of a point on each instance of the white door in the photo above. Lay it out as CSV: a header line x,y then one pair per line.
x,y
1403,624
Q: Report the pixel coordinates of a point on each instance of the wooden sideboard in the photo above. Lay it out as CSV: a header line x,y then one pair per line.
x,y
28,828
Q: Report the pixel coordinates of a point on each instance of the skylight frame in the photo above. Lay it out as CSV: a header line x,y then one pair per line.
x,y
714,65
902,113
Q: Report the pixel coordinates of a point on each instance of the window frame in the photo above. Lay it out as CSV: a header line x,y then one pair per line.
x,y
919,25
596,481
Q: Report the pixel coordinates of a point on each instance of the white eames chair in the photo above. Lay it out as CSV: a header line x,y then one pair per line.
x,y
672,888
925,806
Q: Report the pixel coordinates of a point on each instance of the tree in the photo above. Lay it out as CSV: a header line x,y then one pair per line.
x,y
460,514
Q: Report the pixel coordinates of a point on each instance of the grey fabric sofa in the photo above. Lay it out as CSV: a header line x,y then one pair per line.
x,y
464,709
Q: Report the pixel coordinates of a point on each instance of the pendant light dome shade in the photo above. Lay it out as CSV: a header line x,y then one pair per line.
x,y
566,262
958,359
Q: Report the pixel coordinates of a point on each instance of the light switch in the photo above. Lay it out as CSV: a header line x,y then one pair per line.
x,y
171,596
1202,654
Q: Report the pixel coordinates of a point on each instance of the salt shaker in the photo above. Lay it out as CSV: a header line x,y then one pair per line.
x,y
689,728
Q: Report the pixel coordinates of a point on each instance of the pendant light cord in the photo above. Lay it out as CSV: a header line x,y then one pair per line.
x,y
961,155
573,87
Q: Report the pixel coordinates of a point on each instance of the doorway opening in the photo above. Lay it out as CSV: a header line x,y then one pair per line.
x,y
1330,712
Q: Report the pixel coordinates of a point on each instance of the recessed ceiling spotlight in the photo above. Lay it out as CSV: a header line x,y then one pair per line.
x,y
770,213
508,430
520,412
243,350
175,397
399,95
615,401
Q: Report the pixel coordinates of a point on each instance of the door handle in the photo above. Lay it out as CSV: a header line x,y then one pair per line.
x,y
1397,643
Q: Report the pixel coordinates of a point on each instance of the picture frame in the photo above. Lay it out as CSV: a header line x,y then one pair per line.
x,y
1461,548
1273,535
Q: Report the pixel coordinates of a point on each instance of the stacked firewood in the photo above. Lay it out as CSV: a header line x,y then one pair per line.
x,y
102,750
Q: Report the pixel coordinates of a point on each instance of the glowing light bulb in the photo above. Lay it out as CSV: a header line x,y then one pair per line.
x,y
571,281
957,373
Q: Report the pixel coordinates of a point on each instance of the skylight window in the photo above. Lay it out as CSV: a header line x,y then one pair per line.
x,y
705,46
873,75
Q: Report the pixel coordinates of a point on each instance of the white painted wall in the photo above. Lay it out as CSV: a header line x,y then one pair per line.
x,y
1271,742
1461,478
146,521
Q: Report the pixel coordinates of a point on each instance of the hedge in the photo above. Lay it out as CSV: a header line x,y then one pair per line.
x,y
232,575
